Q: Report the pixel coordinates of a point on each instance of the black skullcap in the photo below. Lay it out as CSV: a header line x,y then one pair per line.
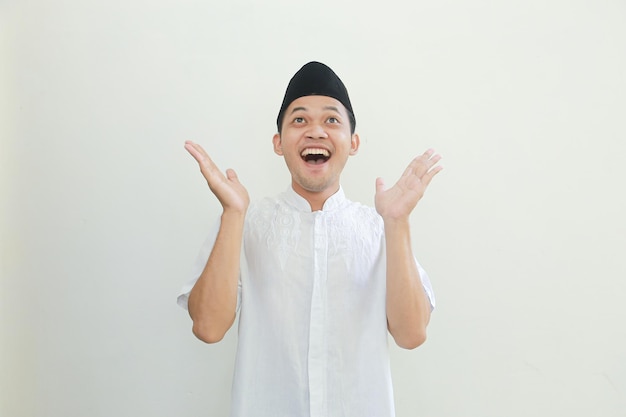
x,y
315,79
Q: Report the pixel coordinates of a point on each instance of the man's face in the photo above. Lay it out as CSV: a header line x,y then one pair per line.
x,y
316,142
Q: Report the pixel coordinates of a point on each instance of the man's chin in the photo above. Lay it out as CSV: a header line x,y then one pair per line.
x,y
314,186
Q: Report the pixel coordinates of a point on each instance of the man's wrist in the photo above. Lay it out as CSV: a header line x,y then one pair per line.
x,y
233,214
397,222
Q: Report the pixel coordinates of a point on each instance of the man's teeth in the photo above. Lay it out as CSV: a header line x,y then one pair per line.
x,y
315,151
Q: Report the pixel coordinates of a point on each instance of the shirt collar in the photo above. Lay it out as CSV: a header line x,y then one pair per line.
x,y
333,202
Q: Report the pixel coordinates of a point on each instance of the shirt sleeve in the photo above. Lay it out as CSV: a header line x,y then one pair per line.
x,y
428,288
198,266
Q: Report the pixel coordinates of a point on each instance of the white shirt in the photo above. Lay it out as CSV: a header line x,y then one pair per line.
x,y
312,317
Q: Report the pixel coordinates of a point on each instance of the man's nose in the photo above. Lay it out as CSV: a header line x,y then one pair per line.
x,y
316,131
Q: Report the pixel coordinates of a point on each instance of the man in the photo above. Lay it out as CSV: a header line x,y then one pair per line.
x,y
318,280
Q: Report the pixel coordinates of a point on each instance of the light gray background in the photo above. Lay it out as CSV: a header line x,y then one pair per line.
x,y
103,212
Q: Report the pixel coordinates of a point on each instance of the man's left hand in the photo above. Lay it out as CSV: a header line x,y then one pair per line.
x,y
398,202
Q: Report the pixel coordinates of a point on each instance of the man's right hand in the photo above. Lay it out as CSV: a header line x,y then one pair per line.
x,y
227,188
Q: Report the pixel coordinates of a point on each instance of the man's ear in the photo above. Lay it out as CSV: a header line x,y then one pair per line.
x,y
278,148
356,142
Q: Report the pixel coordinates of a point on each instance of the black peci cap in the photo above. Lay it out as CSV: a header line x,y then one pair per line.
x,y
315,79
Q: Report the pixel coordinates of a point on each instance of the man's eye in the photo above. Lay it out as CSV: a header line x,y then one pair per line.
x,y
333,120
298,120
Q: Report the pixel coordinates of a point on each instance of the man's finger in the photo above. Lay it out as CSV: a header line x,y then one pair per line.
x,y
426,178
207,166
432,161
380,185
413,166
232,175
425,162
193,150
196,151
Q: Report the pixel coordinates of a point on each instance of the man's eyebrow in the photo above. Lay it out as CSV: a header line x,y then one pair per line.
x,y
295,109
301,108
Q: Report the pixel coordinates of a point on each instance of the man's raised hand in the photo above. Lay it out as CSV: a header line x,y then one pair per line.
x,y
227,188
399,201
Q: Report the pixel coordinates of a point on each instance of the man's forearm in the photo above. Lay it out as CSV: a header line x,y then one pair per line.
x,y
408,309
213,299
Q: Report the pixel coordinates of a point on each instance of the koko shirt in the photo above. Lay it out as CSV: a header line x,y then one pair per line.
x,y
313,339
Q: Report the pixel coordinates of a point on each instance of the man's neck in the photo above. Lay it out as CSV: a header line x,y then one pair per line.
x,y
316,199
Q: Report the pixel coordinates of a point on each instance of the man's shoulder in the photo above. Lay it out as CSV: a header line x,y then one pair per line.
x,y
269,203
268,209
363,209
360,217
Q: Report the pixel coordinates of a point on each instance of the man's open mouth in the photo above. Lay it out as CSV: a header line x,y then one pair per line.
x,y
315,155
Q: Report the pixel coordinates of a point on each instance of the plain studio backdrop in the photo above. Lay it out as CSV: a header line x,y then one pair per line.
x,y
103,212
